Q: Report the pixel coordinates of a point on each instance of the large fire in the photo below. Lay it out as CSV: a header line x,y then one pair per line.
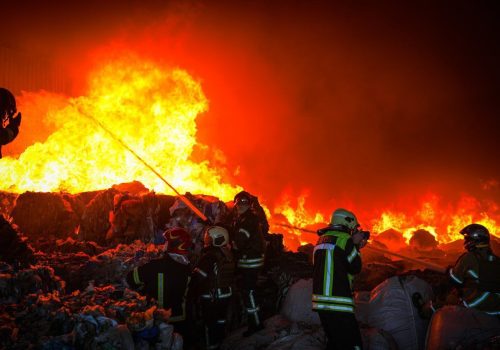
x,y
152,109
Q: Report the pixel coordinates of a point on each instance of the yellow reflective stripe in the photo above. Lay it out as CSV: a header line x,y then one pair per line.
x,y
137,280
160,289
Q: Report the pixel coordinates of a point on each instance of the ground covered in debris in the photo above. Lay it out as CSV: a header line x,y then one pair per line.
x,y
62,279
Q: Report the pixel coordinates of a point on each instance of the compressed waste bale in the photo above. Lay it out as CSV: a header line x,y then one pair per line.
x,y
297,306
95,218
457,327
391,309
377,339
45,215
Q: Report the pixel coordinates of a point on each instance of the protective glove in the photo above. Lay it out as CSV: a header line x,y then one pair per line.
x,y
15,121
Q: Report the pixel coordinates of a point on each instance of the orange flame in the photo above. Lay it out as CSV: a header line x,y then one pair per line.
x,y
298,217
152,109
444,223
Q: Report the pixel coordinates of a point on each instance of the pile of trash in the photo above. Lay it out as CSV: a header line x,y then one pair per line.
x,y
37,311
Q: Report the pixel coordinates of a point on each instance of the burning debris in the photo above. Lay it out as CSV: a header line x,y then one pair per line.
x,y
69,290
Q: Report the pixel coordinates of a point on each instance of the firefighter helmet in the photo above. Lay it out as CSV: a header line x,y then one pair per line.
x,y
342,218
216,236
243,197
178,240
7,103
475,236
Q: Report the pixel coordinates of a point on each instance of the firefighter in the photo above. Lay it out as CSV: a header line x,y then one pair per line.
x,y
249,246
10,123
336,259
211,284
166,279
476,272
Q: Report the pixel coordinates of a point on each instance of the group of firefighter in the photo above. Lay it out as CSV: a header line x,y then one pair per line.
x,y
232,257
201,284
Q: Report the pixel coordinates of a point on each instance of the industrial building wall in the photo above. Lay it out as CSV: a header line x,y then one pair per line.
x,y
21,71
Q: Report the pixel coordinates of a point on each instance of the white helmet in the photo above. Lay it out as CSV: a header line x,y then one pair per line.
x,y
216,236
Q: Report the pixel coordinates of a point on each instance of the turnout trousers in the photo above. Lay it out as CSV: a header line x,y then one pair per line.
x,y
341,329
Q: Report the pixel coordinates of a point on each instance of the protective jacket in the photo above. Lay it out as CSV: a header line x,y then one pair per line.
x,y
7,135
478,273
214,274
248,241
336,260
165,280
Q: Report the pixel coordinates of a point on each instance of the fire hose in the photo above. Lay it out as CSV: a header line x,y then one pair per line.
x,y
186,201
431,266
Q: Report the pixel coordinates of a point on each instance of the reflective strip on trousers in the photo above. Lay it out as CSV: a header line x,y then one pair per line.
x,y
332,307
254,310
137,280
160,289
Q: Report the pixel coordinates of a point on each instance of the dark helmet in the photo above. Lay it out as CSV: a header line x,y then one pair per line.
x,y
243,197
475,236
7,102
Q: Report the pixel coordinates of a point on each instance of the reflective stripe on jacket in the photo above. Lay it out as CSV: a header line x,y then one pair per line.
x,y
336,260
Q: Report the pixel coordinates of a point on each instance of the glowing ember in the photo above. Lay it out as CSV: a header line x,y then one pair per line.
x,y
153,110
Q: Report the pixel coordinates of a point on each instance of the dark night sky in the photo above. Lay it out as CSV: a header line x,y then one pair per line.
x,y
367,101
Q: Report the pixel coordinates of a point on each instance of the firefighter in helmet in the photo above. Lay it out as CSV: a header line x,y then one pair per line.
x,y
165,279
10,123
336,259
476,272
249,246
211,284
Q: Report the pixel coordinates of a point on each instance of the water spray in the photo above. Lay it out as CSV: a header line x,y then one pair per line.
x,y
186,201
